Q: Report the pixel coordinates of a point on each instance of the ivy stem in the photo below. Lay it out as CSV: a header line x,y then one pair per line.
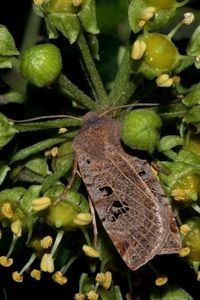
x,y
49,124
40,146
94,78
121,89
70,90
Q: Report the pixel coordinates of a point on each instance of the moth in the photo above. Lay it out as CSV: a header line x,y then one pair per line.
x,y
125,193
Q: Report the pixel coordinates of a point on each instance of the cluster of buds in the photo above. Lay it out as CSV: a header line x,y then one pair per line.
x,y
154,54
22,212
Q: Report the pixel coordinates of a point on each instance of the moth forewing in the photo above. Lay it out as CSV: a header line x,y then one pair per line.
x,y
122,190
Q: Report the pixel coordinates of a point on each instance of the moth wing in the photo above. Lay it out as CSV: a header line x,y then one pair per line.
x,y
128,210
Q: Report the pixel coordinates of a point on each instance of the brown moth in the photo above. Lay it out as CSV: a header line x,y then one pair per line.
x,y
127,197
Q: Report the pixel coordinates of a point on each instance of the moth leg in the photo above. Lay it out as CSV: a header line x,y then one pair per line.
x,y
94,223
70,182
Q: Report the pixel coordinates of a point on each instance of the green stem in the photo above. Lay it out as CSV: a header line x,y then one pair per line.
x,y
70,90
40,146
120,92
59,123
95,80
50,180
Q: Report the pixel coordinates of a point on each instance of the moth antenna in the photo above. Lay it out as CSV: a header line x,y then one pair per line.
x,y
46,118
127,106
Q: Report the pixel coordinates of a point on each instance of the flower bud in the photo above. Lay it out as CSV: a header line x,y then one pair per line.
x,y
41,64
140,129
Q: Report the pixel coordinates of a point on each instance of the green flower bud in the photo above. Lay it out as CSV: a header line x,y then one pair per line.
x,y
140,129
41,64
7,131
68,17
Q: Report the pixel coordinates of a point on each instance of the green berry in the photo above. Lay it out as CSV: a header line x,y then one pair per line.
x,y
41,64
161,53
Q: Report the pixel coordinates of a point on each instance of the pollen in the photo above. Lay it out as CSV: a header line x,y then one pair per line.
x,y
179,194
47,263
41,203
46,242
104,279
6,261
79,296
148,13
89,251
16,276
184,251
92,295
16,228
83,219
138,49
7,210
161,280
164,80
59,278
185,229
36,274
62,130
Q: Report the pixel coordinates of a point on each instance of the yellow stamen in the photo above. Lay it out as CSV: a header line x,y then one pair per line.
x,y
161,280
47,263
184,229
79,296
92,295
148,13
6,261
46,242
104,279
36,274
188,18
179,194
89,251
184,251
138,49
16,228
59,278
164,81
62,130
83,219
198,275
141,23
54,151
40,203
7,210
128,297
16,276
